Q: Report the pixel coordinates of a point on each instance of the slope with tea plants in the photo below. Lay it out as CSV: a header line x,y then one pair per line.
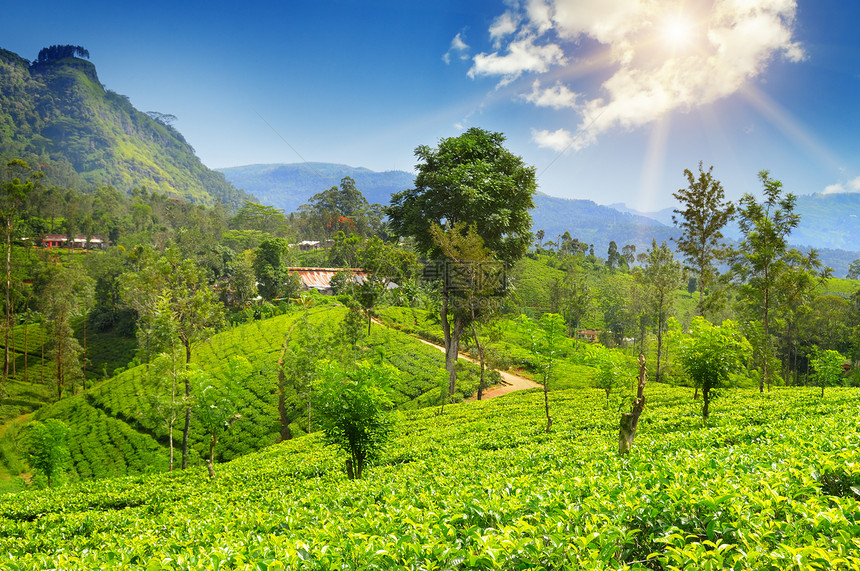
x,y
119,427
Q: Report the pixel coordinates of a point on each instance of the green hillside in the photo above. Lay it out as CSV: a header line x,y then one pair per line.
x,y
57,113
117,428
770,482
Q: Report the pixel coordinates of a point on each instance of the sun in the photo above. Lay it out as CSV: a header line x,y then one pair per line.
x,y
677,31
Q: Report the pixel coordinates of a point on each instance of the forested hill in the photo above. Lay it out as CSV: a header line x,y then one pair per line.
x,y
55,112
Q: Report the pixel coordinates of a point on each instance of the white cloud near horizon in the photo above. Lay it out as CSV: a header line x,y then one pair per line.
x,y
661,55
839,188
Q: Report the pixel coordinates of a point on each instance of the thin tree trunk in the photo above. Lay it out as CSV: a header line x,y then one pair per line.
x,y
630,420
84,361
282,389
660,320
187,428
8,295
26,338
210,461
706,403
480,355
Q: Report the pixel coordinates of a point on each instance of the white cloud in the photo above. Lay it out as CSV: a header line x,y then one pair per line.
x,y
503,26
521,55
458,47
557,97
556,140
650,70
834,189
839,188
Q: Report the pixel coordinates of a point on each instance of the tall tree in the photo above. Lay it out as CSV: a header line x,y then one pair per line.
x,y
17,183
703,215
471,179
797,288
663,275
759,261
193,307
61,300
270,266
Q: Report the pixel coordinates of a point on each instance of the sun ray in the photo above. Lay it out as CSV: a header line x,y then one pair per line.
x,y
790,126
648,199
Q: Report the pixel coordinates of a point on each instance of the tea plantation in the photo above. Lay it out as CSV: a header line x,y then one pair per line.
x,y
772,481
116,428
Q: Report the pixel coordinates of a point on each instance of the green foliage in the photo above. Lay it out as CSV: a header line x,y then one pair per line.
x,y
353,405
48,447
767,484
469,179
710,353
703,215
827,364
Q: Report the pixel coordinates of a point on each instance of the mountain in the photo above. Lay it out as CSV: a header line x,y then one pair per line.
x,y
592,223
830,223
288,186
827,221
56,113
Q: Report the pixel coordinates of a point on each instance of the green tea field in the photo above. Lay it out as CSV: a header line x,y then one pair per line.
x,y
772,481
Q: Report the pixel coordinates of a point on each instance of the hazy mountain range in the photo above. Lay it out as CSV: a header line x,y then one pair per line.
x,y
828,222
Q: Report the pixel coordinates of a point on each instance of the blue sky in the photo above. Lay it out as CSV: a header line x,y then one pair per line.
x,y
610,100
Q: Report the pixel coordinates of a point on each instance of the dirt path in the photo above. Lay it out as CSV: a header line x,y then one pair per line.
x,y
510,381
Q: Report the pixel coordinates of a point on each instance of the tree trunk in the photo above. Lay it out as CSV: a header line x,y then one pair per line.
x,y
480,355
630,420
546,405
8,295
282,391
706,403
660,319
170,438
187,428
210,461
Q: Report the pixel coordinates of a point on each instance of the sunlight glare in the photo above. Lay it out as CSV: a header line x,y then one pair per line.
x,y
677,31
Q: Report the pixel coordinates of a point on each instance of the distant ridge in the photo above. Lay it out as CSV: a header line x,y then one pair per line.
x,y
288,186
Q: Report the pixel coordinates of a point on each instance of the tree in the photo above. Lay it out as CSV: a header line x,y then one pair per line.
x,y
61,299
540,234
49,451
342,209
613,258
192,307
270,266
470,180
352,407
854,270
797,287
216,412
703,215
475,282
17,183
759,261
710,353
827,364
545,344
663,276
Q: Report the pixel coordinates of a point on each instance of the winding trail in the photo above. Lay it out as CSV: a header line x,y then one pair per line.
x,y
510,381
